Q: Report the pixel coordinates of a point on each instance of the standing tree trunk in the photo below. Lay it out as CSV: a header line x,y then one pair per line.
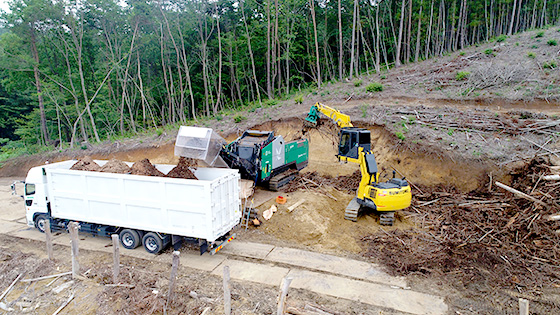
x,y
409,32
510,31
219,92
251,53
429,37
317,61
268,51
399,41
340,50
44,133
418,34
352,50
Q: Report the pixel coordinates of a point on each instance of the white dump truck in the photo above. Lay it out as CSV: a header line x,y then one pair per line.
x,y
144,210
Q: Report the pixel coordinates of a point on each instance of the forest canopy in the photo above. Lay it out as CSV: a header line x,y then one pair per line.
x,y
88,70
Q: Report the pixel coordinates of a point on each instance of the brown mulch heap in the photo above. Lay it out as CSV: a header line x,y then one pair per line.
x,y
86,164
182,170
492,237
115,166
146,168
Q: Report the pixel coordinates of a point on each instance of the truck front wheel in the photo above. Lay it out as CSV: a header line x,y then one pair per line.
x,y
130,239
40,222
152,243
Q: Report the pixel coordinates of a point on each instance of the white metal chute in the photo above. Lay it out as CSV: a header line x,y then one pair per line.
x,y
201,144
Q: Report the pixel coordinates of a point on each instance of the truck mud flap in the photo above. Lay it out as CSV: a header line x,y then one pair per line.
x,y
222,244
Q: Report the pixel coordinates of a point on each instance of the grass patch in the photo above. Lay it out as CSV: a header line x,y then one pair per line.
x,y
239,118
357,83
552,42
374,87
501,38
489,52
550,65
462,75
531,55
539,34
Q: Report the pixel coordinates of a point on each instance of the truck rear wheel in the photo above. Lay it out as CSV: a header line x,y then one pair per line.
x,y
130,239
152,243
40,222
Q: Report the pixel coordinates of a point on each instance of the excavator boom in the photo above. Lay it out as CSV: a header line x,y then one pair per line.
x,y
342,120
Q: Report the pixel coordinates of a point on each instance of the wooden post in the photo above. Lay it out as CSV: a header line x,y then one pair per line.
x,y
48,236
116,258
73,229
284,286
174,267
523,307
227,292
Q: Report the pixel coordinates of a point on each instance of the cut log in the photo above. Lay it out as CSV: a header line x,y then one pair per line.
x,y
295,205
520,194
551,177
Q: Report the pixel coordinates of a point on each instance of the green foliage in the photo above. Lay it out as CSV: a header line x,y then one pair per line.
x,y
517,44
364,109
374,87
270,103
462,53
357,83
531,55
450,131
550,65
489,51
298,99
383,77
462,75
534,46
501,38
400,135
239,118
552,42
539,34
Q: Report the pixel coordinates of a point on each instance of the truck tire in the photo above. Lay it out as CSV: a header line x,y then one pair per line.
x,y
130,239
152,243
40,222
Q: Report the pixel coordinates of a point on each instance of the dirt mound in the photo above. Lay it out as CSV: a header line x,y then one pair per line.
x,y
115,166
146,168
86,164
183,169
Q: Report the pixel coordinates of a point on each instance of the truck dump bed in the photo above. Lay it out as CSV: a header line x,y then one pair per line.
x,y
206,208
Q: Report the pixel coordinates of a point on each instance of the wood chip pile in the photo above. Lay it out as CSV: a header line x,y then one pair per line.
x,y
492,236
143,167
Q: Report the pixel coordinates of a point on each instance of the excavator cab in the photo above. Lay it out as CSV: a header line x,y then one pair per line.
x,y
352,138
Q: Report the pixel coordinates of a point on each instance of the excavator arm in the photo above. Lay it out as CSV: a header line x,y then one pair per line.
x,y
342,120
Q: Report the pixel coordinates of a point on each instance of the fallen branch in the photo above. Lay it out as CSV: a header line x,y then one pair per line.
x,y
120,285
11,286
520,194
64,305
551,177
48,277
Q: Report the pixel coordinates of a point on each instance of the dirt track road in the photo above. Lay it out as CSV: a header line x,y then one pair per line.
x,y
262,264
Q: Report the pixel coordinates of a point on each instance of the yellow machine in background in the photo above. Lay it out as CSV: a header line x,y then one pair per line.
x,y
355,146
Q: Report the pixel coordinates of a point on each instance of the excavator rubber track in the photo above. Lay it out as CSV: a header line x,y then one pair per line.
x,y
387,218
282,179
352,210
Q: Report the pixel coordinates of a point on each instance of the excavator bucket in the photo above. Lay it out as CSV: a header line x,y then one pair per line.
x,y
200,144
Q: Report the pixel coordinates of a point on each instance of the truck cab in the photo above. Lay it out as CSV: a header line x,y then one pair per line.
x,y
35,198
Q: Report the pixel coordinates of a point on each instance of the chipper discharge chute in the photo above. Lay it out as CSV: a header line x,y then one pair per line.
x,y
260,156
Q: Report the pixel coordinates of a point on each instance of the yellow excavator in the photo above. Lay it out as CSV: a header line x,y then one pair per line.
x,y
355,146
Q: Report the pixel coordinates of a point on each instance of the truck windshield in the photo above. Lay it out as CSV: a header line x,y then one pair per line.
x,y
29,189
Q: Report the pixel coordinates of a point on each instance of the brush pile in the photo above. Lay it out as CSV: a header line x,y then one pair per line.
x,y
492,236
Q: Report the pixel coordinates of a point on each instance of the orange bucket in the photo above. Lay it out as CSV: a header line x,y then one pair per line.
x,y
281,200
